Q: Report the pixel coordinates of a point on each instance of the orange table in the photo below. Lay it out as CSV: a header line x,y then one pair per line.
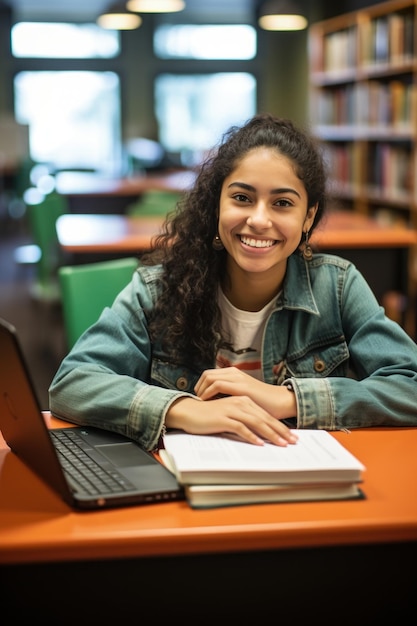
x,y
108,234
89,184
240,561
93,193
36,526
345,229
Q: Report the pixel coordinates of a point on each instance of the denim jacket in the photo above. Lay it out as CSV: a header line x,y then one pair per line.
x,y
349,365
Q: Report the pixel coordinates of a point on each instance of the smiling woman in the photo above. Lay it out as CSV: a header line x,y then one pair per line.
x,y
263,212
232,323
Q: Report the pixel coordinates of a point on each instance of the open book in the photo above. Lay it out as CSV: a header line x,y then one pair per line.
x,y
220,470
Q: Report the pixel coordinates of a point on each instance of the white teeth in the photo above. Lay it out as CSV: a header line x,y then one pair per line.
x,y
257,243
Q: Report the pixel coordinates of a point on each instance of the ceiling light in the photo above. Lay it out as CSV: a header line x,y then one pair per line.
x,y
281,15
155,6
116,17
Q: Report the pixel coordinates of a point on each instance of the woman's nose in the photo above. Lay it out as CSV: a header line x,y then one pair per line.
x,y
259,216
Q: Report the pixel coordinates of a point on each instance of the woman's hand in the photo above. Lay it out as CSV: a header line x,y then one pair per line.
x,y
238,415
278,401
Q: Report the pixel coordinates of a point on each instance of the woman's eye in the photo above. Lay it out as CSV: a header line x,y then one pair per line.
x,y
282,202
241,197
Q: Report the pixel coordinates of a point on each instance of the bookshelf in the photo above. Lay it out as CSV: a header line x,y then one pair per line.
x,y
363,107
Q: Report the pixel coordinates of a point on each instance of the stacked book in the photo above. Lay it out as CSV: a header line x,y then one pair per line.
x,y
221,470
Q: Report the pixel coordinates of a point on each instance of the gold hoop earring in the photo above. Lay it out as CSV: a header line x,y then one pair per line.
x,y
307,249
217,242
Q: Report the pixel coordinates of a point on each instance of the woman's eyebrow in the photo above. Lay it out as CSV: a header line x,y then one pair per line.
x,y
242,185
250,188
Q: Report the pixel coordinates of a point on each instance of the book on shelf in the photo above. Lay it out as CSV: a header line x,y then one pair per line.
x,y
221,470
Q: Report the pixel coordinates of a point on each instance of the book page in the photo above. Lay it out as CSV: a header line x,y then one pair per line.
x,y
315,449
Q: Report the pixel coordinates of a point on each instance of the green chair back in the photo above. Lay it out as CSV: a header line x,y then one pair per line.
x,y
87,289
154,202
42,220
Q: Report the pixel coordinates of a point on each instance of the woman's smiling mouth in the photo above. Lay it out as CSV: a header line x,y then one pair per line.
x,y
257,243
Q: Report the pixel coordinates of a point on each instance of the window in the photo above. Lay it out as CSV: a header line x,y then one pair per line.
x,y
193,111
73,117
62,41
188,41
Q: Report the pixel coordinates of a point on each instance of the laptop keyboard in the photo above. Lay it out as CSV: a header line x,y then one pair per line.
x,y
83,469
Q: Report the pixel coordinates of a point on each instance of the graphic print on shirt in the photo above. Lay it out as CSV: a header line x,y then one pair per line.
x,y
242,333
246,359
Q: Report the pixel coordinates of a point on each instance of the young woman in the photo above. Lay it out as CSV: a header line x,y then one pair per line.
x,y
233,324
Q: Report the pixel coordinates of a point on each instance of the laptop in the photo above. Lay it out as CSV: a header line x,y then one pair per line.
x,y
89,468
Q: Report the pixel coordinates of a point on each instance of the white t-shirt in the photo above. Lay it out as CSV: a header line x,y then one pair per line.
x,y
242,332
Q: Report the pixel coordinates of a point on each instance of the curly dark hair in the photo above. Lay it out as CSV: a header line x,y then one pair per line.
x,y
187,316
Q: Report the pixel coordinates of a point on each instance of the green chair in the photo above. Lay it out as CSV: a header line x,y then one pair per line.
x,y
154,202
42,219
87,289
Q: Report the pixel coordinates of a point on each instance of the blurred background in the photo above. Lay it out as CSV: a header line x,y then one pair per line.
x,y
77,98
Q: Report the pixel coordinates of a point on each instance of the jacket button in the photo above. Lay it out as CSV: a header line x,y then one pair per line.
x,y
182,383
319,365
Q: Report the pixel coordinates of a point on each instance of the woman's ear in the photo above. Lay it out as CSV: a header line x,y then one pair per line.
x,y
309,219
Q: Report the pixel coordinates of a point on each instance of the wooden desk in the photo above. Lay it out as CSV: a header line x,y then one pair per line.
x,y
93,193
347,556
343,229
108,234
36,526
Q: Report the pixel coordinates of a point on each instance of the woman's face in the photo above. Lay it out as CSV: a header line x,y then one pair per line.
x,y
262,213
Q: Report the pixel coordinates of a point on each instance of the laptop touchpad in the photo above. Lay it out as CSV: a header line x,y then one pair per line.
x,y
125,454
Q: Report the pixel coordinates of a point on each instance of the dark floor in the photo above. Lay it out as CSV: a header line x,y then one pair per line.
x,y
39,325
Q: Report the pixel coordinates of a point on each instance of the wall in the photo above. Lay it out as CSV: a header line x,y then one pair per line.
x,y
6,102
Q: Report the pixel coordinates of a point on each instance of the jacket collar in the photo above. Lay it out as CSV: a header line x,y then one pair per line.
x,y
297,292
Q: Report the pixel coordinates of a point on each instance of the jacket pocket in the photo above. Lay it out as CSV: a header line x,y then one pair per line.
x,y
322,360
173,376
